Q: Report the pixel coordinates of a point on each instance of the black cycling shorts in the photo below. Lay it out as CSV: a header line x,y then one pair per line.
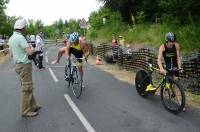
x,y
76,53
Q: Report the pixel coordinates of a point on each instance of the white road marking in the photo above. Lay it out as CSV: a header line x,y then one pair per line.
x,y
50,70
46,58
53,75
79,114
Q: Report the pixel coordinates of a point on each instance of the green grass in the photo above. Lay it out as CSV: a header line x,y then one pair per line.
x,y
152,34
193,99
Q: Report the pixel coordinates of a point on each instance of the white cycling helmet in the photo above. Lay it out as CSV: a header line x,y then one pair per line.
x,y
20,24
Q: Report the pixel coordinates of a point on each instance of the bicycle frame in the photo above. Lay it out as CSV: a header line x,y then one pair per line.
x,y
164,78
73,63
161,82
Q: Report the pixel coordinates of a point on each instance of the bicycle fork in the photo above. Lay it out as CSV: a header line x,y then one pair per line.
x,y
169,89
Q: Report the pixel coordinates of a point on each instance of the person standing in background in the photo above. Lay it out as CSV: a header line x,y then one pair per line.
x,y
121,42
114,41
32,40
114,47
40,49
20,50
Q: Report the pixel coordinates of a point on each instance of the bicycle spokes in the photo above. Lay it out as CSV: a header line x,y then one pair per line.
x,y
173,98
76,84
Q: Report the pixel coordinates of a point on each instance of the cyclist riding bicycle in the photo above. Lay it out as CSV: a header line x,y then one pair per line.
x,y
77,46
170,52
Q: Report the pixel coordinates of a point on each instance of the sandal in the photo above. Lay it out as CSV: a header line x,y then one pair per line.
x,y
30,114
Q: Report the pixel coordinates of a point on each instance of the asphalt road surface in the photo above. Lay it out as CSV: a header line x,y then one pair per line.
x,y
106,105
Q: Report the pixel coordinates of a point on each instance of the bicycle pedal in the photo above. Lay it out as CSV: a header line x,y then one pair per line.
x,y
152,92
66,78
150,88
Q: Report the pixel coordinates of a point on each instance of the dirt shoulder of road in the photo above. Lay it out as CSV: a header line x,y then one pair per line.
x,y
129,77
116,71
3,58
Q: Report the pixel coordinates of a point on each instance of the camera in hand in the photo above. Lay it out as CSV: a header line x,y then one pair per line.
x,y
31,57
34,58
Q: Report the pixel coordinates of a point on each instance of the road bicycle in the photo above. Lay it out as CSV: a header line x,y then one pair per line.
x,y
72,76
171,92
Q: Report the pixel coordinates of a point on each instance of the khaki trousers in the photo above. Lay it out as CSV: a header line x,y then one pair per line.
x,y
27,101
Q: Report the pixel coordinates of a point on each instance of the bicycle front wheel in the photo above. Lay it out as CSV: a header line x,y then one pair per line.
x,y
173,97
67,75
76,84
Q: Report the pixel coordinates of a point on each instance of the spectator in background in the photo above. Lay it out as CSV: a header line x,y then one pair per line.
x,y
4,37
28,38
1,42
39,47
114,41
20,50
32,40
121,41
114,47
66,39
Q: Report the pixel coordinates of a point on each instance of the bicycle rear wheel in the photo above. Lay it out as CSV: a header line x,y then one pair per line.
x,y
76,83
173,97
142,80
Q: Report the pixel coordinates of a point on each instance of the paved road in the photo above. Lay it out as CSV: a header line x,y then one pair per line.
x,y
106,105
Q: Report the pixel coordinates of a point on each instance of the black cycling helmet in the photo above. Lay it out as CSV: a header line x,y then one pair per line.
x,y
170,37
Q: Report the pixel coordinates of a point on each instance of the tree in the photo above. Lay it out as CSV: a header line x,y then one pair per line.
x,y
181,9
39,25
176,9
3,17
3,6
127,8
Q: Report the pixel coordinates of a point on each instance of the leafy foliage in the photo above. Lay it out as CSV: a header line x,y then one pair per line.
x,y
179,9
3,19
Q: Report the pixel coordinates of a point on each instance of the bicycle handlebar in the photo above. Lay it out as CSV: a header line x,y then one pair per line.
x,y
169,71
83,58
75,60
